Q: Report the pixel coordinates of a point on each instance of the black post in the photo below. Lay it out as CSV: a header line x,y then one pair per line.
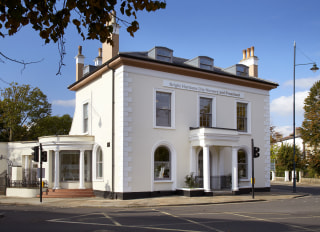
x,y
252,161
294,119
40,172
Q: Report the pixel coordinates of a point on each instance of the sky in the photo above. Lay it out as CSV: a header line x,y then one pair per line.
x,y
218,29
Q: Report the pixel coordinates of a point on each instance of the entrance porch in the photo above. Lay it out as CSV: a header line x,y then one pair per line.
x,y
219,160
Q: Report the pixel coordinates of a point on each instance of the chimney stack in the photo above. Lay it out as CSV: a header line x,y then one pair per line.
x,y
108,50
98,59
250,60
79,64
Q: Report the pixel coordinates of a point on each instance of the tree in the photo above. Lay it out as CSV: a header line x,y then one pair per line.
x,y
284,158
51,125
51,18
275,136
22,107
310,131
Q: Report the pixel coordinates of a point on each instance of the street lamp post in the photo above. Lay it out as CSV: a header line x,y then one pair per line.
x,y
314,69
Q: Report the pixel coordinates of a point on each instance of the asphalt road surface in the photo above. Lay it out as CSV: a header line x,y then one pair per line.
x,y
299,214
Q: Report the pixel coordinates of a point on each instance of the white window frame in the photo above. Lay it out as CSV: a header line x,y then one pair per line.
x,y
169,162
248,116
173,165
249,163
214,111
172,92
83,118
94,163
98,162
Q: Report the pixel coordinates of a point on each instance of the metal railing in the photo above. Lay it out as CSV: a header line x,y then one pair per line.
x,y
25,184
216,182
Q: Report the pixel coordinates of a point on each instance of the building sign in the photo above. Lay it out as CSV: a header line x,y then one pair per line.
x,y
202,89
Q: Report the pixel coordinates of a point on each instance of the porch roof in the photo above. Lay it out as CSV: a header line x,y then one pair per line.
x,y
213,136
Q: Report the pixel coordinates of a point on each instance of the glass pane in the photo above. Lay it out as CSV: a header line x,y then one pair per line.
x,y
88,165
69,165
242,157
242,164
242,116
205,112
99,165
85,117
242,170
162,163
163,111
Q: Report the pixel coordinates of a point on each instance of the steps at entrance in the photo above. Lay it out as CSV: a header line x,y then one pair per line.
x,y
67,193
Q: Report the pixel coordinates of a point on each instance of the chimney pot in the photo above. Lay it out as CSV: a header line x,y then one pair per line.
x,y
100,52
98,59
79,50
248,52
244,52
252,51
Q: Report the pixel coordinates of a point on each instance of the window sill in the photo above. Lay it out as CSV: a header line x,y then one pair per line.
x,y
98,180
244,133
163,127
163,181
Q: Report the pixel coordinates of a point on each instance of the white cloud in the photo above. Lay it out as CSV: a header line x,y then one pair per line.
x,y
303,83
284,130
64,103
283,106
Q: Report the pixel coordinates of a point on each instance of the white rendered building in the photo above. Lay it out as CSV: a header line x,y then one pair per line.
x,y
145,120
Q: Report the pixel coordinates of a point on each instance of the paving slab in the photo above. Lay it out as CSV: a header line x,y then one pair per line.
x,y
149,202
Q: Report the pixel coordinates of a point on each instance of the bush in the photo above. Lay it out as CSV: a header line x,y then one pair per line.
x,y
190,181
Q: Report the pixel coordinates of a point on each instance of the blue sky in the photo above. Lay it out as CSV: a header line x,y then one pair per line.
x,y
218,29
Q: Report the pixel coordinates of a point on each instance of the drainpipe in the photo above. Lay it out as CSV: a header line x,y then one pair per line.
x,y
113,127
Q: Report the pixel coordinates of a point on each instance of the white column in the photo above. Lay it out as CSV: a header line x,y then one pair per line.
x,y
300,176
81,170
235,186
26,167
56,170
206,169
273,175
193,161
286,176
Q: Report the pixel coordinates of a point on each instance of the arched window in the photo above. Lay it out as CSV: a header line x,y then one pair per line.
x,y
99,163
162,163
242,164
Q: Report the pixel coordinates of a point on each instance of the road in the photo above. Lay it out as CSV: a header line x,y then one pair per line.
x,y
299,214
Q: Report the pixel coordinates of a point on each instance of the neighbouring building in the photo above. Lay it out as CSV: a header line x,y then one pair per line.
x,y
145,120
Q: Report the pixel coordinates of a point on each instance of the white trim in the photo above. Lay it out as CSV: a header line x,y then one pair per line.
x,y
247,150
193,80
248,116
172,92
94,164
82,117
214,109
173,164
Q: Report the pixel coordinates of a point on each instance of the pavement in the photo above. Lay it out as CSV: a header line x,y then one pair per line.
x,y
217,198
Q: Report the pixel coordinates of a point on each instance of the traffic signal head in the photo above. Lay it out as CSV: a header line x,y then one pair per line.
x,y
35,153
44,156
256,151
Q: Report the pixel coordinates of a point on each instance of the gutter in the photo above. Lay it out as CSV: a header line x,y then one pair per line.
x,y
113,132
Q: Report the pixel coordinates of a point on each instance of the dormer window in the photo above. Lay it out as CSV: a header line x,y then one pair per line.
x,y
161,53
203,62
206,63
242,70
239,70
